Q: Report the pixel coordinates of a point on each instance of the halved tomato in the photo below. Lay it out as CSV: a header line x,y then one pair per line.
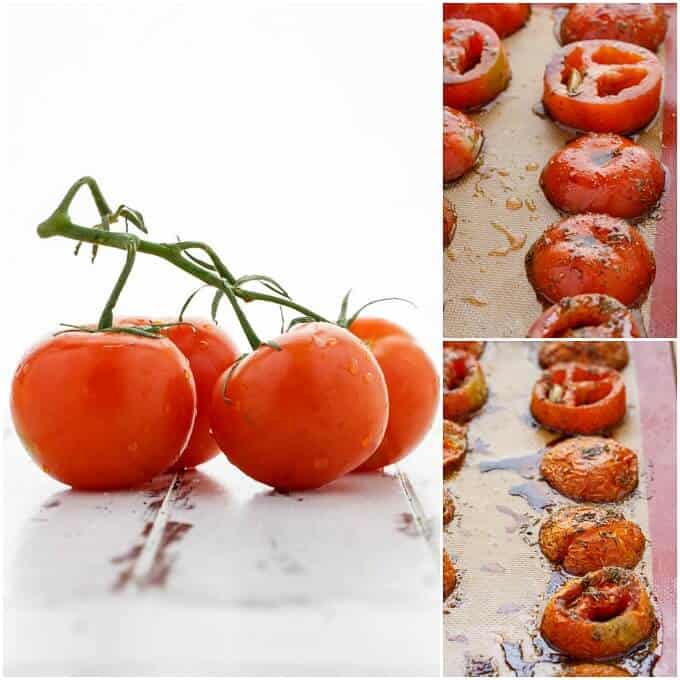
x,y
591,254
450,222
476,68
603,86
504,17
464,385
463,140
603,173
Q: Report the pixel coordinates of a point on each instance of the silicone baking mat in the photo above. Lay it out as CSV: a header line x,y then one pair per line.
x,y
500,202
491,620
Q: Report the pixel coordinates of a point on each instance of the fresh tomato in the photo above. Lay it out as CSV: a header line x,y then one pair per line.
x,y
579,398
464,385
598,616
104,410
606,353
302,415
450,222
476,348
463,140
210,352
412,386
643,24
476,68
591,254
504,17
603,173
586,316
603,86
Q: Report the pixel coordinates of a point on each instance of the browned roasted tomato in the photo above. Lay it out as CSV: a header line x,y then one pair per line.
x,y
591,254
504,17
598,616
594,670
449,507
450,222
579,398
464,385
463,140
643,24
586,316
455,445
608,353
583,538
449,575
603,173
471,347
593,469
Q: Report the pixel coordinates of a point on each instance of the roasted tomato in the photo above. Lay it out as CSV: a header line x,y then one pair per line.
x,y
608,353
210,352
450,222
504,17
476,68
463,140
304,413
104,410
449,575
586,316
603,86
643,24
579,398
594,670
449,508
471,347
603,173
598,616
591,254
583,539
592,469
454,446
464,385
412,386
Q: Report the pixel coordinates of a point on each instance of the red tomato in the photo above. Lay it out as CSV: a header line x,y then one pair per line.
x,y
104,410
643,24
591,254
603,86
371,329
412,386
476,68
504,17
304,415
450,222
463,140
603,173
210,352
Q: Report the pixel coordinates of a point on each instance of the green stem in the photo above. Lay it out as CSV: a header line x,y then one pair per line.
x,y
106,319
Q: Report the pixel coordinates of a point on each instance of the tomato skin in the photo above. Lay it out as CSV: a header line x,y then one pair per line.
x,y
476,67
103,411
643,24
465,390
210,352
450,222
603,173
504,17
413,389
618,86
591,254
299,417
370,329
463,140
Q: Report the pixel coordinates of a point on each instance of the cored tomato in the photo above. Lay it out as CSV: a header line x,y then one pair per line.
x,y
591,254
504,17
603,86
104,410
463,140
476,348
642,23
465,390
603,173
476,68
305,414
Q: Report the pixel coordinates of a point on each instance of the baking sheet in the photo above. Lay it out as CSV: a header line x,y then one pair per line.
x,y
504,579
487,294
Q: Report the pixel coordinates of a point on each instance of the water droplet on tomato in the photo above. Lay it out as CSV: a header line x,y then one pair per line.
x,y
353,367
368,377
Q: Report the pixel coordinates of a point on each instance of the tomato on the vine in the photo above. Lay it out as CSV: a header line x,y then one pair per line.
x,y
412,386
304,411
103,410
